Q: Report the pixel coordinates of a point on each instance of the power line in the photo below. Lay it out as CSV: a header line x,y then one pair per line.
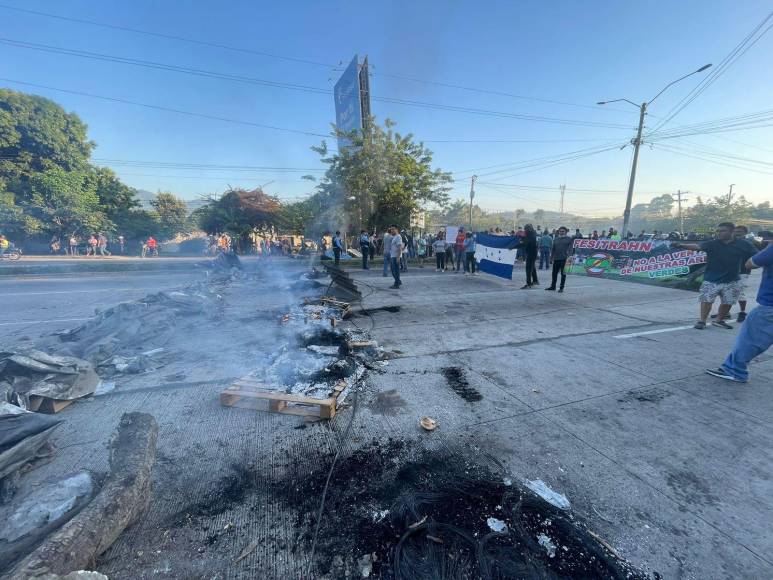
x,y
737,52
296,87
167,109
677,151
243,50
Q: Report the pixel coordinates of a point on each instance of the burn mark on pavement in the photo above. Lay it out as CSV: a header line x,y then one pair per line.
x,y
457,380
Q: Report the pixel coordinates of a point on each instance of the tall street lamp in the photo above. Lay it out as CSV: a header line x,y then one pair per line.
x,y
637,142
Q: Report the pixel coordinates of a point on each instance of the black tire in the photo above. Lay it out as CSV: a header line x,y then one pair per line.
x,y
13,255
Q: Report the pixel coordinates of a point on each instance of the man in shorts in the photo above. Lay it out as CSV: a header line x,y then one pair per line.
x,y
725,256
756,335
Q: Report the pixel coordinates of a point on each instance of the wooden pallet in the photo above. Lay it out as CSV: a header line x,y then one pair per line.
x,y
47,405
248,393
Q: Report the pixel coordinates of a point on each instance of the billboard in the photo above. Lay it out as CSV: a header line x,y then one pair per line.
x,y
650,261
352,99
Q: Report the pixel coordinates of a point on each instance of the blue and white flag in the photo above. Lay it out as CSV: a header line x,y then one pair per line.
x,y
493,255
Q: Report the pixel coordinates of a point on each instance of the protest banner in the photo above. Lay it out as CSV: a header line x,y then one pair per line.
x,y
645,261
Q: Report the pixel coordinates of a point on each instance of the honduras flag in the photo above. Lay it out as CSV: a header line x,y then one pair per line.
x,y
494,255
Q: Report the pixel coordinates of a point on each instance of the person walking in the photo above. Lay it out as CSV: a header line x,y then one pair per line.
x,y
756,335
364,248
469,254
439,245
102,244
92,248
387,245
724,257
459,250
396,247
559,254
338,247
545,243
529,246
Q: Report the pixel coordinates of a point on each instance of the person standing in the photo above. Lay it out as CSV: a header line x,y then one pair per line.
x,y
449,249
459,250
396,247
387,245
338,247
404,253
529,246
151,247
740,233
364,248
578,234
121,244
559,254
756,335
469,254
73,245
439,245
421,250
545,243
372,247
724,257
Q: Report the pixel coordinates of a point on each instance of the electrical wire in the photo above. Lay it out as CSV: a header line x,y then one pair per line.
x,y
287,58
302,88
738,51
166,109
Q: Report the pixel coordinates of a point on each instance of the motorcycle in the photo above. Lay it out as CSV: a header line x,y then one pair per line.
x,y
11,253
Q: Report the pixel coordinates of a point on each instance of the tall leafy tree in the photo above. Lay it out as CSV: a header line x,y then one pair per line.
x,y
239,212
65,202
381,177
172,214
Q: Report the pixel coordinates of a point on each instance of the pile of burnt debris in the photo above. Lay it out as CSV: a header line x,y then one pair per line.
x,y
397,510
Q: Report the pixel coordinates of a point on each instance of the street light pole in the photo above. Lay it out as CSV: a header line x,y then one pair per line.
x,y
638,141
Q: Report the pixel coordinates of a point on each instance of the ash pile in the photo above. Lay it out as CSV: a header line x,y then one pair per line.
x,y
400,511
320,359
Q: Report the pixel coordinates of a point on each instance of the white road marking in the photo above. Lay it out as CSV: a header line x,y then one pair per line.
x,y
45,321
71,291
633,334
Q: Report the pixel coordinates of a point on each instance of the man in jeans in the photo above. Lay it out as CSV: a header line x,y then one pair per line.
x,y
756,335
469,254
387,244
396,248
459,250
338,247
559,254
364,248
545,243
724,257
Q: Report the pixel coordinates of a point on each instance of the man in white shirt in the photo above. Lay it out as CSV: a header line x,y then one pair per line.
x,y
396,248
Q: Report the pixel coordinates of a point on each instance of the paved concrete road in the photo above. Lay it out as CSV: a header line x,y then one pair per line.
x,y
35,306
601,392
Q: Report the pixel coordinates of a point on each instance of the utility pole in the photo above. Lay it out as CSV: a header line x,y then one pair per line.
x,y
561,205
636,144
679,199
730,194
638,140
472,196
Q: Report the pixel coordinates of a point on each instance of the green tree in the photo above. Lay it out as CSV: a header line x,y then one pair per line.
x,y
172,214
382,177
539,216
65,202
704,216
116,199
239,212
37,135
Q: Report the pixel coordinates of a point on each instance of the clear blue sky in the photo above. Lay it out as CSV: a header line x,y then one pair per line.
x,y
576,52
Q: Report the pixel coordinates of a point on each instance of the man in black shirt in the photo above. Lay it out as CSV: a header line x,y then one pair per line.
x,y
724,257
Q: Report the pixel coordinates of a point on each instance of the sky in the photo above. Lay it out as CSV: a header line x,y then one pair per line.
x,y
551,60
